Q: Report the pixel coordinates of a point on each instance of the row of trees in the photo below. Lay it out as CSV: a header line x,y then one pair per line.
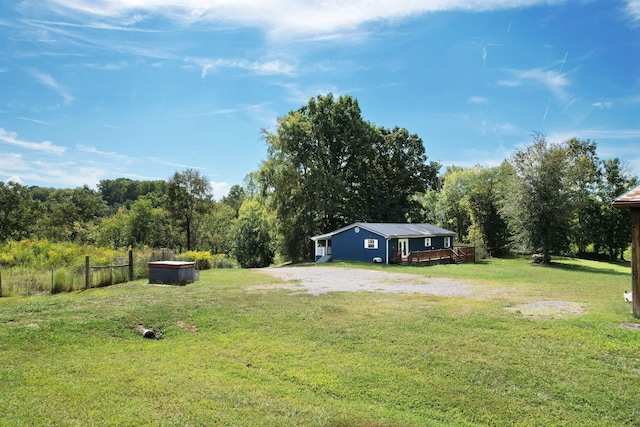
x,y
326,168
179,213
548,198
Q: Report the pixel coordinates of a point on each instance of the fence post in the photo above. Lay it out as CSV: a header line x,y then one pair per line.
x,y
86,272
130,265
0,284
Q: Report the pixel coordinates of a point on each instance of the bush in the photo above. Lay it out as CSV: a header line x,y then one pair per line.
x,y
202,259
253,240
223,261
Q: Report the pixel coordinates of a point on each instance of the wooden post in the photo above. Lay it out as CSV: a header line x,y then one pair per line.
x,y
130,265
635,260
86,272
0,284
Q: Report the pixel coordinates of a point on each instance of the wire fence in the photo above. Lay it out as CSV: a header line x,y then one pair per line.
x,y
26,281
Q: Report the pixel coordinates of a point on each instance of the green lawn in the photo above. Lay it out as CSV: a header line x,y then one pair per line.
x,y
238,356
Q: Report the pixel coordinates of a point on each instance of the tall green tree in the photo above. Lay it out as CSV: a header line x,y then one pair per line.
x,y
583,176
397,171
313,160
189,199
124,191
328,167
218,226
234,198
253,245
18,211
72,214
489,229
538,206
148,225
454,199
612,229
114,230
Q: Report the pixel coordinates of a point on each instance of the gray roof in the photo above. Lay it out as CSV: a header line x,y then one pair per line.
x,y
393,230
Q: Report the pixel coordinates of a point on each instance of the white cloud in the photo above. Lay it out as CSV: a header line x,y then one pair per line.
x,y
283,18
478,100
65,174
603,105
555,82
27,119
220,189
472,157
10,163
108,154
633,10
11,138
610,134
258,67
49,82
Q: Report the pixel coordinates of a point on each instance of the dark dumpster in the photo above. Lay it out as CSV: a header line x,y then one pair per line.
x,y
172,272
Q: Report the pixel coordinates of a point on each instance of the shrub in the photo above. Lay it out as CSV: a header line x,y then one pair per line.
x,y
223,261
202,259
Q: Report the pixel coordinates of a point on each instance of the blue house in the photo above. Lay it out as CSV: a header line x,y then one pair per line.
x,y
381,242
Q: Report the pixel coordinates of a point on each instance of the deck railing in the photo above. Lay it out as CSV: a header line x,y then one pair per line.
x,y
439,256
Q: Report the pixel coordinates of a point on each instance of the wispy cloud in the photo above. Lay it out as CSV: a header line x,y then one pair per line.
x,y
110,66
178,165
11,138
97,25
65,173
282,18
603,105
51,83
268,67
12,163
595,134
27,119
107,125
110,154
478,100
551,80
633,11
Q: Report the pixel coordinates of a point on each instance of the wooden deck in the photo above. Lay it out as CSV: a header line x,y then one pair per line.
x,y
440,256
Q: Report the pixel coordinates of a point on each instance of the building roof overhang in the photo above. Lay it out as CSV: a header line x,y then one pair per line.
x,y
630,199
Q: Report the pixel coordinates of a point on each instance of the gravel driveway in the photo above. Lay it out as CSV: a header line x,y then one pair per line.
x,y
318,280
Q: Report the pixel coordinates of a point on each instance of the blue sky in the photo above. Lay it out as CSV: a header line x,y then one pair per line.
x,y
93,90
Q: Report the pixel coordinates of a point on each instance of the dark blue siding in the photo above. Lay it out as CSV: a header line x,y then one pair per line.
x,y
349,246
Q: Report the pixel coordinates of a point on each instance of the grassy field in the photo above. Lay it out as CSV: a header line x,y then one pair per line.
x,y
238,356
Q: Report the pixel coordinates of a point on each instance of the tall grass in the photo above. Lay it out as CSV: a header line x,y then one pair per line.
x,y
31,267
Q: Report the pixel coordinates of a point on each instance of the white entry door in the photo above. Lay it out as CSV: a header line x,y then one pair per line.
x,y
403,248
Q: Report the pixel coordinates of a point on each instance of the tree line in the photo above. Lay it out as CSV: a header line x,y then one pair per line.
x,y
327,167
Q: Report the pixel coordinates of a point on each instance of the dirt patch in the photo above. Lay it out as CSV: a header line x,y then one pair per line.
x,y
632,326
548,309
192,329
317,280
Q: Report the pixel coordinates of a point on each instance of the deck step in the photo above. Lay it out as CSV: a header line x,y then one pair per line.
x,y
326,258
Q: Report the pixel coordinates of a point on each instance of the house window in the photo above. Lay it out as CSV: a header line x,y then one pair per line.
x,y
371,243
447,242
427,241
